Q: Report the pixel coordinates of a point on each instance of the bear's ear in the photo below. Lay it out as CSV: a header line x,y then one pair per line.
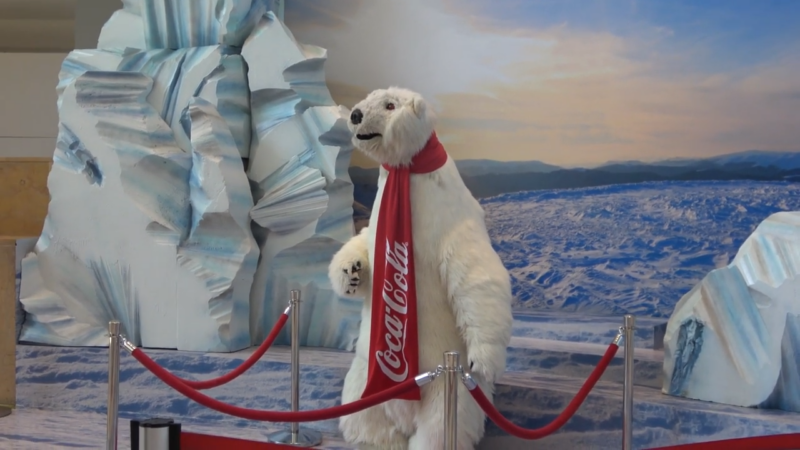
x,y
418,106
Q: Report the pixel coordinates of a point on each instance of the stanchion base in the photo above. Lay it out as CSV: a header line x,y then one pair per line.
x,y
5,412
304,438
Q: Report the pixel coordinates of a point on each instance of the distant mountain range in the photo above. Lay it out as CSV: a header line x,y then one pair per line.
x,y
751,158
487,178
478,167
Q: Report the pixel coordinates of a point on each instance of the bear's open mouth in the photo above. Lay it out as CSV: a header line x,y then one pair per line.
x,y
366,137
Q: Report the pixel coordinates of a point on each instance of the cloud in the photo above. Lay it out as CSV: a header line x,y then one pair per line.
x,y
558,94
587,103
413,43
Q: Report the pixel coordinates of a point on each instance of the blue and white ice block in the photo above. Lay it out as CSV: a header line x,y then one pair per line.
x,y
220,250
152,219
213,73
136,231
283,72
176,24
299,160
735,337
119,206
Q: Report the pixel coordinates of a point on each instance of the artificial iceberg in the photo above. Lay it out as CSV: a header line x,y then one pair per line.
x,y
200,174
300,153
735,337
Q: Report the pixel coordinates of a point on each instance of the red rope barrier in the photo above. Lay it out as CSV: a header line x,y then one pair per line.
x,y
775,442
559,421
246,365
271,416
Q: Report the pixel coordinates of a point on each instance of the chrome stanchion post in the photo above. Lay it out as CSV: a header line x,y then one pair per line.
x,y
627,393
451,374
295,299
113,385
295,436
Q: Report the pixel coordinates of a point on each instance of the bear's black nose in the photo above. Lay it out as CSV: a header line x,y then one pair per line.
x,y
356,116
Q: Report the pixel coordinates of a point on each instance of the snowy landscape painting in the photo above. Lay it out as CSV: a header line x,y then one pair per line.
x,y
621,149
606,247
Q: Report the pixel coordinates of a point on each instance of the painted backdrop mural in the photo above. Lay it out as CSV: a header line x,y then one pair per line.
x,y
621,149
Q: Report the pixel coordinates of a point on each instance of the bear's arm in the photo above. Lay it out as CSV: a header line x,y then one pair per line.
x,y
479,289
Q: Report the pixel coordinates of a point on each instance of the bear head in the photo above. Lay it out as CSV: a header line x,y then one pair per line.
x,y
391,125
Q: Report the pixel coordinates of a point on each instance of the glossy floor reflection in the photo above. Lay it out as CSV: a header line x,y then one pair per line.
x,y
37,429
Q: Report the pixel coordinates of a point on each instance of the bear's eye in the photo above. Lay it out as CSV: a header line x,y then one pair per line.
x,y
390,106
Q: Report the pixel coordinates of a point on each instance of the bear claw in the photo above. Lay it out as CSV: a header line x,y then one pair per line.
x,y
353,281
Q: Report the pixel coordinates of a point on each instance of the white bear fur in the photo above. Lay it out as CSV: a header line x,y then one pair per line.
x,y
463,289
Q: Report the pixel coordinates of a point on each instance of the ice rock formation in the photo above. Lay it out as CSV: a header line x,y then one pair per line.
x,y
220,249
299,157
152,219
214,73
136,230
175,24
735,337
190,48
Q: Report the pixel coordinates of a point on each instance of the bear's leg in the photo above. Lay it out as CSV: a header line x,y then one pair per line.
x,y
370,429
430,422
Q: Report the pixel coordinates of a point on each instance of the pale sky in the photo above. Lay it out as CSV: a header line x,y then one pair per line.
x,y
574,82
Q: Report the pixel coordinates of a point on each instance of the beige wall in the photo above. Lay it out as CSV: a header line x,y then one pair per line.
x,y
37,25
90,16
35,37
28,115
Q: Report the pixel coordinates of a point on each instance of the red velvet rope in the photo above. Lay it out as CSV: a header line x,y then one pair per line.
x,y
271,416
232,375
559,421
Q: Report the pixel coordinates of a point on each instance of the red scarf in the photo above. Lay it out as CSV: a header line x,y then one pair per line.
x,y
393,341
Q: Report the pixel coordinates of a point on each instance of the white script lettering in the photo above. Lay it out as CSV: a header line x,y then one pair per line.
x,y
395,296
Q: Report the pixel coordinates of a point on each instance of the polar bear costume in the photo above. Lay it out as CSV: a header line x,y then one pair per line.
x,y
463,289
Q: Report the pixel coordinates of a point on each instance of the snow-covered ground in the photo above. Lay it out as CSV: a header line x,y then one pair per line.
x,y
633,248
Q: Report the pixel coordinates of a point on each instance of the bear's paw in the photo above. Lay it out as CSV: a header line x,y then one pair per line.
x,y
352,273
349,274
487,361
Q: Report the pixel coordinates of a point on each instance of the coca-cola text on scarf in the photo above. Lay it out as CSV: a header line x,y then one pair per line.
x,y
394,341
